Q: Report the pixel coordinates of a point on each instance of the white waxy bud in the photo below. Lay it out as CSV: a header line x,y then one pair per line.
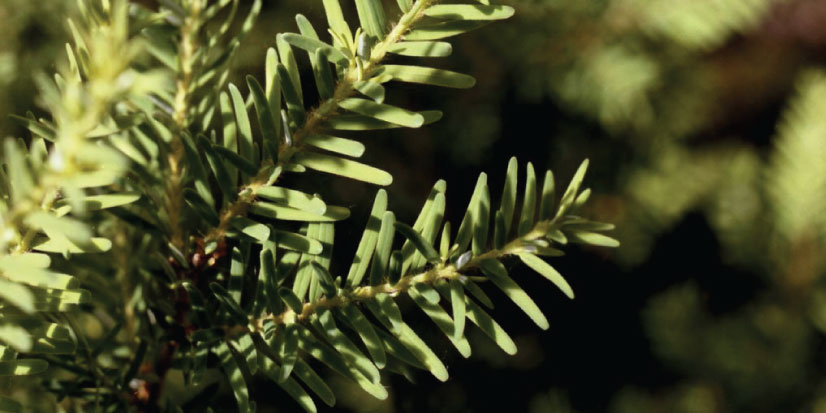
x,y
162,105
56,160
8,236
288,136
151,316
173,20
125,81
541,243
135,384
463,260
364,46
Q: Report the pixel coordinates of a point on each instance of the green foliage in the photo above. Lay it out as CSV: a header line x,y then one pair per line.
x,y
147,203
745,196
796,179
763,202
676,104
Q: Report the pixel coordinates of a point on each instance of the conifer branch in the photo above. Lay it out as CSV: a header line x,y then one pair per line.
x,y
187,48
315,118
443,271
203,296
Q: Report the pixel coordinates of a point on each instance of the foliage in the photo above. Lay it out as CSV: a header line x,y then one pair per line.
x,y
705,119
776,333
718,125
154,201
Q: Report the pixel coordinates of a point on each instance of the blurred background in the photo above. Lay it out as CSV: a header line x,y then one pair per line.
x,y
705,123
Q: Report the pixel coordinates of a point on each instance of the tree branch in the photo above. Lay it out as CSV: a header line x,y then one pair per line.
x,y
315,118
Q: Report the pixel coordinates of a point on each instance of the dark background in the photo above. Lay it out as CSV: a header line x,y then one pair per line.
x,y
686,110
